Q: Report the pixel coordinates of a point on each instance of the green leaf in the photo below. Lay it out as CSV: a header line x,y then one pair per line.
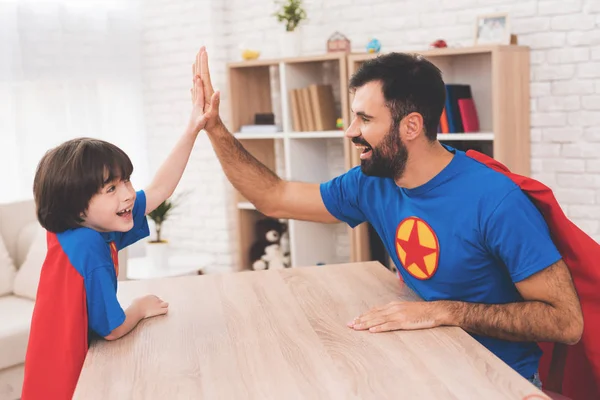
x,y
291,13
164,210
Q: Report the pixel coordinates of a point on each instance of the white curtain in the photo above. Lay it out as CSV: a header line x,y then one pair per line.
x,y
68,68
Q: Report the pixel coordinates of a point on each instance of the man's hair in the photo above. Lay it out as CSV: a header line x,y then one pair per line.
x,y
69,175
410,83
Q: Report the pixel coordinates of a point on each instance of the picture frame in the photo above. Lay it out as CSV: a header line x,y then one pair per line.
x,y
492,29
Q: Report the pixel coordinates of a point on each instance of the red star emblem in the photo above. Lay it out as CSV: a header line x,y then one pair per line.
x,y
417,248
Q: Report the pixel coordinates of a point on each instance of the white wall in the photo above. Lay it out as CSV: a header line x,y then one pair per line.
x,y
564,37
173,31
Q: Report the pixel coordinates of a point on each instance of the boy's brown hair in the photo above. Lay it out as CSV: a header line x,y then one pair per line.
x,y
69,175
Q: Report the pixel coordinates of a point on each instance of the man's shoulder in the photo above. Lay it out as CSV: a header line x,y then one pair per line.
x,y
488,181
482,188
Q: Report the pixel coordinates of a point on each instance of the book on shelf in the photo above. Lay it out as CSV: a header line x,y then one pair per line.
x,y
313,108
460,113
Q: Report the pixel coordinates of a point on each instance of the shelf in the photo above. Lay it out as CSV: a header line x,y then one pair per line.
x,y
466,136
245,205
316,135
341,134
499,79
268,135
293,60
291,135
445,52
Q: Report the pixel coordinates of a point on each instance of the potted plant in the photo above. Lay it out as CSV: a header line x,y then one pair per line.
x,y
291,13
157,248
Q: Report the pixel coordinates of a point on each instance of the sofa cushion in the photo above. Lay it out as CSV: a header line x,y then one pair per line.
x,y
15,314
28,276
7,270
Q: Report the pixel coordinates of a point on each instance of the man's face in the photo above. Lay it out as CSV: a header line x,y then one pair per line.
x,y
372,131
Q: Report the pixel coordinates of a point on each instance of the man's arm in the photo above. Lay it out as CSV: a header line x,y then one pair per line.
x,y
270,194
550,312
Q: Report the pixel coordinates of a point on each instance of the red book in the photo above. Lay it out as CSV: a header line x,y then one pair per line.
x,y
468,114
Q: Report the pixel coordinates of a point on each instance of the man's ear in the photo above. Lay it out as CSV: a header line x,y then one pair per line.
x,y
412,126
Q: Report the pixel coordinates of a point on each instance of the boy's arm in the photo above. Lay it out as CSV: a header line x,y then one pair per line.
x,y
105,315
167,177
132,317
144,307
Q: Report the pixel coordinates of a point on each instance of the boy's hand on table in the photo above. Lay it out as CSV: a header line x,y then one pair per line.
x,y
151,306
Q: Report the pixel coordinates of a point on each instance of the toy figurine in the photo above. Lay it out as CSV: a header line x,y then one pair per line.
x,y
373,46
440,43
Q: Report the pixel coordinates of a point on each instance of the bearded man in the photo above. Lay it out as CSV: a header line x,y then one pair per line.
x,y
463,235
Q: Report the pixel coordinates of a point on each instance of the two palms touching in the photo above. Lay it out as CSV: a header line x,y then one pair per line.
x,y
205,101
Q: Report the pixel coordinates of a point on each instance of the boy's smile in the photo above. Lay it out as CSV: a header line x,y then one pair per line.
x,y
111,209
125,213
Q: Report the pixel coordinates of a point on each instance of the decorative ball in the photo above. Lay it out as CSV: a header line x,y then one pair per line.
x,y
373,46
249,54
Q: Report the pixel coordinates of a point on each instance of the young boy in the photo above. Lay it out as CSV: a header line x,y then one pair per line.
x,y
88,206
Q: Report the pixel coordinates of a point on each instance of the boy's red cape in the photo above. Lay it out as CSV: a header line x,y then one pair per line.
x,y
574,370
58,339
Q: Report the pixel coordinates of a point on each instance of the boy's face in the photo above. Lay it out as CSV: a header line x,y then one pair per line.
x,y
110,210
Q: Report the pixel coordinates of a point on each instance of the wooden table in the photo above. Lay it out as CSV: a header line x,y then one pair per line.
x,y
282,334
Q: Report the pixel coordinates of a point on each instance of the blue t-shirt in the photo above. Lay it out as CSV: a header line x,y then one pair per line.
x,y
469,234
89,253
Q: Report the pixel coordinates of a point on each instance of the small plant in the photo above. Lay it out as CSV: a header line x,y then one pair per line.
x,y
292,13
160,214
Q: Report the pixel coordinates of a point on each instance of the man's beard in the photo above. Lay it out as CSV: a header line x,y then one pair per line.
x,y
388,159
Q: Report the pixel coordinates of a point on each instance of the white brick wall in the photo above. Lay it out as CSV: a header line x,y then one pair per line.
x,y
564,36
173,31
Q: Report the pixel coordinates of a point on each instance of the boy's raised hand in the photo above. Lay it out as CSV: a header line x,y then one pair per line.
x,y
205,101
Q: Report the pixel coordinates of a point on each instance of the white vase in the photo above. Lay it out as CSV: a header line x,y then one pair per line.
x,y
290,43
158,254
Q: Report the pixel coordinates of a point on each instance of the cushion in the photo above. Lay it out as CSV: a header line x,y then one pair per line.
x,y
7,270
28,276
25,239
15,314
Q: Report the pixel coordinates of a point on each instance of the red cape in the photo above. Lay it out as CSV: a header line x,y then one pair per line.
x,y
579,364
58,339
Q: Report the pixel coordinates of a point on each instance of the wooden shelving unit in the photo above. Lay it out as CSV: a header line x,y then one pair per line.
x,y
499,78
263,86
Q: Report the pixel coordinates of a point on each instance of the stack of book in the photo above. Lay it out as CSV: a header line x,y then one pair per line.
x,y
313,108
459,114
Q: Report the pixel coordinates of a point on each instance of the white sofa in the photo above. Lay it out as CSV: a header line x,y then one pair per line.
x,y
22,252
